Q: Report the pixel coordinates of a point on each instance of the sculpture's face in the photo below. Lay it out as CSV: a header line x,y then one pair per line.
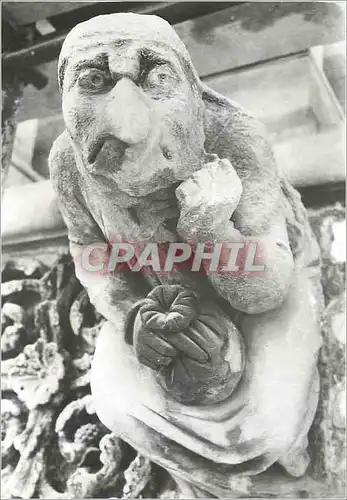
x,y
133,115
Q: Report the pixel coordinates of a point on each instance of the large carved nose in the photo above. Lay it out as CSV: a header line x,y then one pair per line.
x,y
127,112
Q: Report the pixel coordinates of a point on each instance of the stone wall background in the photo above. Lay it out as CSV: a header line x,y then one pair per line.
x,y
53,445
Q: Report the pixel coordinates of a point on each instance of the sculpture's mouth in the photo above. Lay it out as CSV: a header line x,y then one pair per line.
x,y
118,148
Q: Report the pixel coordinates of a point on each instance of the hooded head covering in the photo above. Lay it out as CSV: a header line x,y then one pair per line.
x,y
100,30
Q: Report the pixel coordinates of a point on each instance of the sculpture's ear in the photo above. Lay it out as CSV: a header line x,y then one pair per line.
x,y
228,125
61,74
218,116
61,160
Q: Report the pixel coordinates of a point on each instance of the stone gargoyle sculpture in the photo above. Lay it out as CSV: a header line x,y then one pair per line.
x,y
210,374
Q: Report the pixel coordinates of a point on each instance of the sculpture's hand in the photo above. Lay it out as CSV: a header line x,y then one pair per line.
x,y
152,350
193,345
208,199
161,328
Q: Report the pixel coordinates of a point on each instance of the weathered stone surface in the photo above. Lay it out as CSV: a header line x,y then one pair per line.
x,y
152,154
251,443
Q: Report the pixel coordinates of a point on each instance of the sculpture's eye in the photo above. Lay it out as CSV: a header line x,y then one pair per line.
x,y
159,76
94,80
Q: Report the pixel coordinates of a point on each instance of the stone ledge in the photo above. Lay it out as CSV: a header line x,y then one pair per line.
x,y
31,221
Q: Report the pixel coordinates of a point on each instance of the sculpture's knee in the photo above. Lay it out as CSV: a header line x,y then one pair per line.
x,y
105,376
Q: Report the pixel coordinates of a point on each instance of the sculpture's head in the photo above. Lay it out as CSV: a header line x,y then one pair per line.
x,y
132,102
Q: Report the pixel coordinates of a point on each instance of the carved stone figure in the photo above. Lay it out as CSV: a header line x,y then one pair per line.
x,y
211,375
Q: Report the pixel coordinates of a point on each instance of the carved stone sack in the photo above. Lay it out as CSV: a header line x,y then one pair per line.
x,y
210,352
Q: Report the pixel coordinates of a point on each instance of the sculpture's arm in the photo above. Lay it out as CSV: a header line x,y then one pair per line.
x,y
208,200
112,295
258,291
241,201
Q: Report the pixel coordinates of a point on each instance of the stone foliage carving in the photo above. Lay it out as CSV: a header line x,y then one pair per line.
x,y
53,444
329,427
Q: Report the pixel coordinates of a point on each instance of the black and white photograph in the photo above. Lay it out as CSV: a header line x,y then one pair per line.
x,y
173,226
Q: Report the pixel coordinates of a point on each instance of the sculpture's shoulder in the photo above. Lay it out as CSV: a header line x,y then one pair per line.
x,y
226,114
62,166
234,133
69,186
